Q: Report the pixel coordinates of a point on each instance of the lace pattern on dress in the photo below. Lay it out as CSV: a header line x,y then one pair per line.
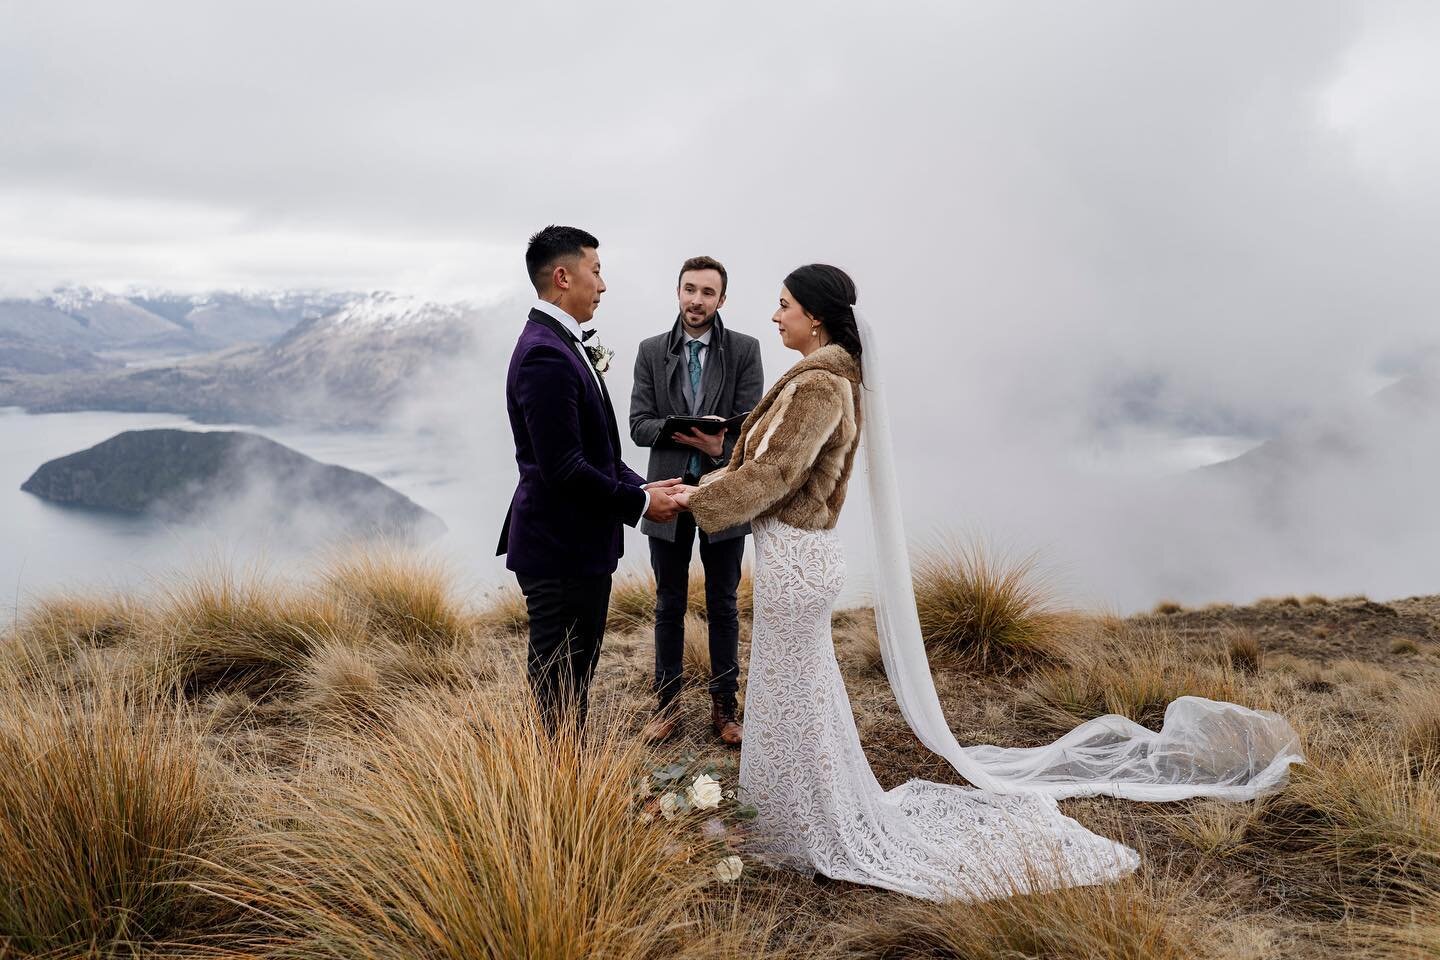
x,y
821,807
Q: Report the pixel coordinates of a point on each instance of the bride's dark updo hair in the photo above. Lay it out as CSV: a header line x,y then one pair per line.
x,y
828,294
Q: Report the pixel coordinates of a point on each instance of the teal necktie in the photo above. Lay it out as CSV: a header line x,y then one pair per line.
x,y
694,466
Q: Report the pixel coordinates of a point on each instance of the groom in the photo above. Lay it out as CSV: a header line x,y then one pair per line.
x,y
563,533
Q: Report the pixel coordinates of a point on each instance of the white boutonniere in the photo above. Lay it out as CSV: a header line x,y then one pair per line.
x,y
600,356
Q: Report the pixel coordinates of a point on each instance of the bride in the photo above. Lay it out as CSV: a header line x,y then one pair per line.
x,y
802,765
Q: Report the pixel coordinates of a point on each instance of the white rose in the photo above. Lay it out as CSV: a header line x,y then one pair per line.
x,y
705,792
669,806
729,869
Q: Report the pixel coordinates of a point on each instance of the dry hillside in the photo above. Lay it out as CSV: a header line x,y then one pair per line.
x,y
348,768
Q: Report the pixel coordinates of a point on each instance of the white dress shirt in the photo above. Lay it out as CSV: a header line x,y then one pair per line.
x,y
573,326
704,338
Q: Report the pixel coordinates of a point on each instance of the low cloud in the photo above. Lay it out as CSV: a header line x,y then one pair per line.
x,y
1077,227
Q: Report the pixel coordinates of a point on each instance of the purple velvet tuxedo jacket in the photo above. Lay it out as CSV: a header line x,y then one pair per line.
x,y
575,493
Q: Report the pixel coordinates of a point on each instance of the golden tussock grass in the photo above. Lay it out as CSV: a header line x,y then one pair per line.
x,y
504,612
1417,716
111,810
348,766
59,629
1278,602
1128,920
1353,833
984,610
339,680
1370,678
1136,674
467,832
398,595
632,598
1244,651
1215,828
863,646
1404,645
1401,934
697,650
224,629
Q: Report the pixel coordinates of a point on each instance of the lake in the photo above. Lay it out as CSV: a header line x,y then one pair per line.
x,y
45,548
1087,522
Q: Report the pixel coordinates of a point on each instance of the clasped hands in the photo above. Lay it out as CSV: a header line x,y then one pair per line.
x,y
667,499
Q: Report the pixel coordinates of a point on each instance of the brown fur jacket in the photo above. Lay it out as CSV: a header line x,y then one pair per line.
x,y
794,453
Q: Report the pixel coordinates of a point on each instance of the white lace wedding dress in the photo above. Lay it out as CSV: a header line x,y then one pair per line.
x,y
821,807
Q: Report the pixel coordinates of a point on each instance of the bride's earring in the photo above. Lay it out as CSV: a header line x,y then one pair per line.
x,y
814,331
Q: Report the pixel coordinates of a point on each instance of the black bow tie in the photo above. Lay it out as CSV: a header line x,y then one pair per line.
x,y
586,335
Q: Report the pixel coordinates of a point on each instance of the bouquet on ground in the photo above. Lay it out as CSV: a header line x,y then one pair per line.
x,y
696,794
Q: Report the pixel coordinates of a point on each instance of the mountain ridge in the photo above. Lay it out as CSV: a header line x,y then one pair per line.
x,y
348,365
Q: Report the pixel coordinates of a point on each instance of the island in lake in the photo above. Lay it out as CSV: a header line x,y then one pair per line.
x,y
204,475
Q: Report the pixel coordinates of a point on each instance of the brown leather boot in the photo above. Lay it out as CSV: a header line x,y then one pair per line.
x,y
663,724
723,721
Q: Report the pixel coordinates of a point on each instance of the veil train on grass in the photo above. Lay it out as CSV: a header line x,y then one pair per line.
x,y
1205,748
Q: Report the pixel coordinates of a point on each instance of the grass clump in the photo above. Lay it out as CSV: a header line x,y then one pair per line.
x,y
1291,601
1121,921
632,598
1352,835
696,657
399,596
221,630
632,601
58,630
1136,674
1166,608
111,811
467,832
341,681
1417,716
1244,651
989,613
505,613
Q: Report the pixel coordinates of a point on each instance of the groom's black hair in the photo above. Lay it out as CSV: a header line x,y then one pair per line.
x,y
549,245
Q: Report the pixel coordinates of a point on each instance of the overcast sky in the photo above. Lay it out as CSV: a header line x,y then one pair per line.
x,y
1218,217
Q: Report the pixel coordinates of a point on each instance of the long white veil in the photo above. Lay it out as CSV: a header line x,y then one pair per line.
x,y
1205,748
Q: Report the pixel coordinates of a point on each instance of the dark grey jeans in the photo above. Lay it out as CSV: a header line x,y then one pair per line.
x,y
671,562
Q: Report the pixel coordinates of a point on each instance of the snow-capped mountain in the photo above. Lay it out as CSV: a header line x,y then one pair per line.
x,y
84,318
341,359
389,311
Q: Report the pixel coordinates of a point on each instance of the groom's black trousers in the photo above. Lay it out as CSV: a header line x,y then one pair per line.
x,y
567,626
671,562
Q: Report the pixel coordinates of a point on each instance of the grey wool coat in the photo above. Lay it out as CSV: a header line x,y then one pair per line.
x,y
731,383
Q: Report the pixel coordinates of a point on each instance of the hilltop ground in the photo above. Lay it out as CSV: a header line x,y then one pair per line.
x,y
369,786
